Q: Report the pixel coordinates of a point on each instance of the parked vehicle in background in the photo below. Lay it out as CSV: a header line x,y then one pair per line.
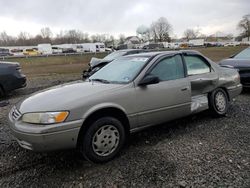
x,y
155,46
89,47
31,52
11,77
5,52
174,45
100,47
129,94
232,44
16,52
79,48
196,42
45,49
96,64
241,62
56,50
68,50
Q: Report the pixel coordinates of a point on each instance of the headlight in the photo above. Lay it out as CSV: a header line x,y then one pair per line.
x,y
45,117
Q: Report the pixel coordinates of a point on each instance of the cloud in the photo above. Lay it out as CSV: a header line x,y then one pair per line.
x,y
116,16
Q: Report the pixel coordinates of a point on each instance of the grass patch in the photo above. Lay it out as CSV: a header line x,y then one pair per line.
x,y
39,66
75,64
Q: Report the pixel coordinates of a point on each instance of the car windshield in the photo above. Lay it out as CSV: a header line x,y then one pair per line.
x,y
245,54
114,55
122,70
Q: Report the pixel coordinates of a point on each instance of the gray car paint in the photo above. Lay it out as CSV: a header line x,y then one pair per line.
x,y
143,105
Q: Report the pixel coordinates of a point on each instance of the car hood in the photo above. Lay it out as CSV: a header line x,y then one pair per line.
x,y
237,63
65,97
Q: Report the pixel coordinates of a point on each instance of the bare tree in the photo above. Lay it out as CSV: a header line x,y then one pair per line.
x,y
161,29
46,33
190,34
6,40
121,38
73,36
244,25
23,39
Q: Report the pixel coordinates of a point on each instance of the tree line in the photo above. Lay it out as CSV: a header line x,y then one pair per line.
x,y
159,31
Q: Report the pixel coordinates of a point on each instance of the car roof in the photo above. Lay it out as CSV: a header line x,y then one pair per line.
x,y
129,50
155,53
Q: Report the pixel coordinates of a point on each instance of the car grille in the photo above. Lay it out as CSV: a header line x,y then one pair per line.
x,y
245,76
15,114
244,71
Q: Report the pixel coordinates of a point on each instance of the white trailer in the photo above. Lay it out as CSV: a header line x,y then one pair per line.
x,y
100,47
89,47
78,48
56,50
45,49
196,42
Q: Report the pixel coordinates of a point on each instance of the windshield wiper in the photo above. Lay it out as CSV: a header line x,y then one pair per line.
x,y
100,80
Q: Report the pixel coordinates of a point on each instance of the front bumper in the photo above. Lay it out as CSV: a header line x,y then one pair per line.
x,y
43,138
245,79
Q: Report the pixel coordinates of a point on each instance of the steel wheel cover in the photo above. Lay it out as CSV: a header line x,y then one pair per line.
x,y
105,140
220,101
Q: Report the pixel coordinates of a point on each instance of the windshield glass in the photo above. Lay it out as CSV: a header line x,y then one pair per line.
x,y
122,70
114,55
245,54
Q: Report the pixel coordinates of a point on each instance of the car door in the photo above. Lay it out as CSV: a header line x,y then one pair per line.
x,y
200,73
168,99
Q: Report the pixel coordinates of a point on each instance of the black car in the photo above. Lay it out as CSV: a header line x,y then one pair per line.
x,y
11,77
68,50
4,52
96,64
240,61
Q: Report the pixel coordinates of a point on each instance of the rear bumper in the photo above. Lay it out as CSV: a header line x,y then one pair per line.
x,y
234,91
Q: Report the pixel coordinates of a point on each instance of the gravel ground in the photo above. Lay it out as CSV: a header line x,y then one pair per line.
x,y
196,151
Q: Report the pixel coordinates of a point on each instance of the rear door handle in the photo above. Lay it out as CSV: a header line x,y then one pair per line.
x,y
184,89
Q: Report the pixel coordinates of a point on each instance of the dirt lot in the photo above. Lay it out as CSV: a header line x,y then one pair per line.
x,y
197,151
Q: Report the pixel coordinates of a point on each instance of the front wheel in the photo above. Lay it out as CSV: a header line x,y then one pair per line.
x,y
103,140
218,102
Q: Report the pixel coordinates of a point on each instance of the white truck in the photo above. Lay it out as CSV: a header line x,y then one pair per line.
x,y
196,42
89,47
45,49
100,47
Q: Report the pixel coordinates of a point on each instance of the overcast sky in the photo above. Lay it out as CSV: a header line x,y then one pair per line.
x,y
120,16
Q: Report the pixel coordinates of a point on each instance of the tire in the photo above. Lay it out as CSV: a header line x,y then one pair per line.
x,y
218,102
103,140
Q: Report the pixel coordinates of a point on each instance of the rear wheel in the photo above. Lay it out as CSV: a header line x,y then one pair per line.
x,y
218,102
103,140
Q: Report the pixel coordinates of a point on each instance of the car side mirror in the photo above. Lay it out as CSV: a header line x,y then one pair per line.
x,y
149,79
